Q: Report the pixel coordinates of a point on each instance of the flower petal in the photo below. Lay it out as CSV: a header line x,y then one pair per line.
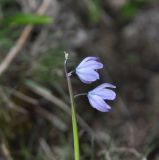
x,y
91,64
106,94
87,69
84,81
87,59
87,74
104,85
98,103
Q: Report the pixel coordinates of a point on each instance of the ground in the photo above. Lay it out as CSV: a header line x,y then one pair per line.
x,y
35,117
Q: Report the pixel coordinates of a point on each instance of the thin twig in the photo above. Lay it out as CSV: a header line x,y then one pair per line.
x,y
128,150
47,115
6,152
47,150
10,103
62,105
14,51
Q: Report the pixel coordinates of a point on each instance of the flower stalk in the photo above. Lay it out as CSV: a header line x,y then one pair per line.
x,y
80,94
73,113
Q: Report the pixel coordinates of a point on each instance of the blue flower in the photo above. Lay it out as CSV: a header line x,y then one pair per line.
x,y
97,96
87,69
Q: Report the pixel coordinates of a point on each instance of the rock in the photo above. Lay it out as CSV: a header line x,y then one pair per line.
x,y
154,90
116,4
142,37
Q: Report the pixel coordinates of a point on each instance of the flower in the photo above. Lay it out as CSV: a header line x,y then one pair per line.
x,y
87,69
97,96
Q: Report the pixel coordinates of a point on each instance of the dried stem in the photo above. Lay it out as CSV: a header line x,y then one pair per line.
x,y
22,40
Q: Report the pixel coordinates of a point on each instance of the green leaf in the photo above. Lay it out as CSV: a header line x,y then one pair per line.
x,y
4,2
95,10
25,19
48,65
129,10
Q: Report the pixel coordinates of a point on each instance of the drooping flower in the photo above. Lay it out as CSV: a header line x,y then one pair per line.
x,y
97,96
87,69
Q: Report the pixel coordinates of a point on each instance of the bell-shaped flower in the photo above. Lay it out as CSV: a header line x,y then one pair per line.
x,y
87,69
97,96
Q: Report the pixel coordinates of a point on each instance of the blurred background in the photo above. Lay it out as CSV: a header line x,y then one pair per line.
x,y
35,122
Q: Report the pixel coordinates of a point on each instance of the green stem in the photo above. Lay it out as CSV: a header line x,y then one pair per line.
x,y
80,94
74,120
